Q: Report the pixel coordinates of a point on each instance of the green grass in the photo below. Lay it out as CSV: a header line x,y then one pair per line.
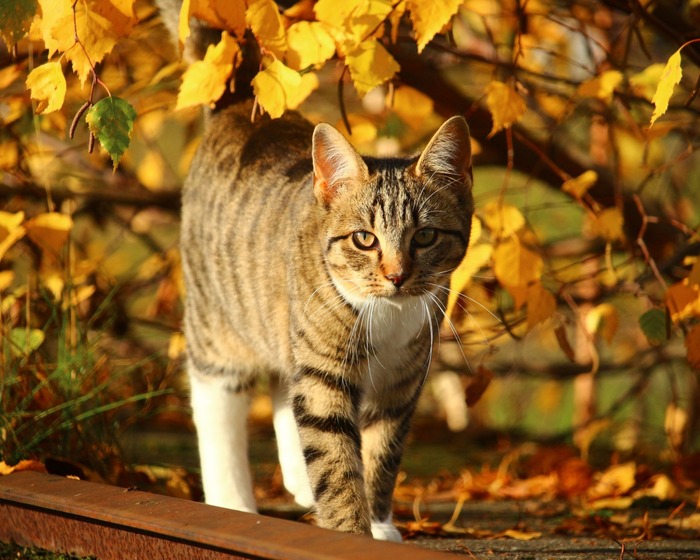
x,y
12,551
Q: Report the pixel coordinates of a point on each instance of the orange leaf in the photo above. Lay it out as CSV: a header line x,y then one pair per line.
x,y
692,343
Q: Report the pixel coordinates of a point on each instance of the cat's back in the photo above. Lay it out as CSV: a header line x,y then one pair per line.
x,y
249,187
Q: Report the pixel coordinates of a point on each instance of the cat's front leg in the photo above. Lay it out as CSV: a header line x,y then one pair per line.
x,y
325,408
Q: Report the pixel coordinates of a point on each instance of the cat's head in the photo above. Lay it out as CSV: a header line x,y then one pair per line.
x,y
393,227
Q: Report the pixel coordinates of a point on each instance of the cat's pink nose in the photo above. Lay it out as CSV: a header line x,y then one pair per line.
x,y
396,279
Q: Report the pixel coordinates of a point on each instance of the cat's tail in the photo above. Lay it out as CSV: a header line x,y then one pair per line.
x,y
201,37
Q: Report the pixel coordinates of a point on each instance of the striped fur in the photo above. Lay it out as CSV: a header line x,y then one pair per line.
x,y
276,285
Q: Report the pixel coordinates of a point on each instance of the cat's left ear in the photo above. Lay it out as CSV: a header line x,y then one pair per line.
x,y
336,163
448,153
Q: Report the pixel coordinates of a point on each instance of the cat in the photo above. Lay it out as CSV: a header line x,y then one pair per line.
x,y
328,273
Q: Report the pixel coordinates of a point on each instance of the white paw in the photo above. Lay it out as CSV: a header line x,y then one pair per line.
x,y
298,485
385,531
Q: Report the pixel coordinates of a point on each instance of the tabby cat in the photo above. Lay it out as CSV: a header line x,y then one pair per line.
x,y
327,272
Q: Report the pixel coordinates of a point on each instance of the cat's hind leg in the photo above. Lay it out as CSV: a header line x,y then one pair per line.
x,y
291,457
220,405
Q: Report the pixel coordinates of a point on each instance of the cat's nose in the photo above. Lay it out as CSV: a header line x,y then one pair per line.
x,y
396,279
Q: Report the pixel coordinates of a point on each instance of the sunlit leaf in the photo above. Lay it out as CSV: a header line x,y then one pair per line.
x,y
603,319
645,82
515,264
671,76
505,104
278,88
683,301
429,17
47,85
502,219
11,230
9,154
229,14
309,44
15,17
111,120
370,66
264,19
541,305
654,325
50,231
578,186
25,341
204,82
608,224
616,481
601,87
476,258
413,106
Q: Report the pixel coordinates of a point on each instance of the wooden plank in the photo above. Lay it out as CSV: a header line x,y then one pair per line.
x,y
114,523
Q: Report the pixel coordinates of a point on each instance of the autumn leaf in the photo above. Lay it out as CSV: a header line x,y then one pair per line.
x,y
264,19
505,105
11,230
601,87
205,80
50,231
278,88
309,43
15,18
370,65
692,344
502,219
229,15
111,120
515,264
608,225
578,186
541,305
669,78
47,85
97,23
429,17
476,258
603,319
412,106
683,301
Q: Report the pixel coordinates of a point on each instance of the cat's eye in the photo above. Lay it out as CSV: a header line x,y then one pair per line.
x,y
425,237
364,240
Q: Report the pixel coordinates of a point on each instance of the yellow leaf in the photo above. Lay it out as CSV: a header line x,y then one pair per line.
x,y
9,74
97,23
6,279
77,296
183,26
363,129
616,481
50,231
476,258
205,80
429,17
9,155
608,225
370,65
601,87
48,86
505,104
603,319
228,14
278,88
578,186
541,305
264,19
692,344
502,219
521,535
11,230
412,106
151,170
645,82
515,265
334,13
669,78
309,44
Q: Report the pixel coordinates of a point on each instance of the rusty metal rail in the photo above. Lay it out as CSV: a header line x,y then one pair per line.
x,y
116,524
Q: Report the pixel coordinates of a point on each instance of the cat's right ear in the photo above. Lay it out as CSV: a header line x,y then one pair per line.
x,y
336,163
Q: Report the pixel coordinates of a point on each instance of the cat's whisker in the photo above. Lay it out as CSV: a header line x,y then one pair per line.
x,y
453,329
469,298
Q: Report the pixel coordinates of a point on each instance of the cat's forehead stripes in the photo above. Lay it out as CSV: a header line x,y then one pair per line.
x,y
393,205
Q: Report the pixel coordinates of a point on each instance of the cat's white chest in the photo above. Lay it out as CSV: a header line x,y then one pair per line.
x,y
392,325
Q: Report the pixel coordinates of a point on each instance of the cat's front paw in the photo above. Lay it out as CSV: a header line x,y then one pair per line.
x,y
385,531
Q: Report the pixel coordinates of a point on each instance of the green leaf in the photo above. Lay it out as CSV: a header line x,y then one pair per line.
x,y
24,341
15,18
654,326
111,120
